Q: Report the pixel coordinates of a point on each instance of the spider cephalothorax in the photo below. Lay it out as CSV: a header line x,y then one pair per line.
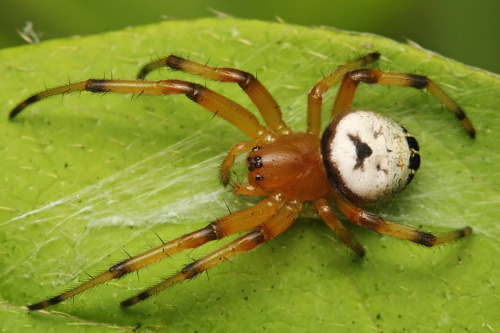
x,y
291,165
362,157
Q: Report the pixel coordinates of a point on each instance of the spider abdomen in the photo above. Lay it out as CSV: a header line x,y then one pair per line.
x,y
291,165
368,157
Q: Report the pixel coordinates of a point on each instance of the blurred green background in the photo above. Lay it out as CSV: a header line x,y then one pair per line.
x,y
464,30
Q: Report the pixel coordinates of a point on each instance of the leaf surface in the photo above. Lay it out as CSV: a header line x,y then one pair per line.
x,y
85,178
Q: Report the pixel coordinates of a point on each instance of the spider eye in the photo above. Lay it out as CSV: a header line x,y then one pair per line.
x,y
368,157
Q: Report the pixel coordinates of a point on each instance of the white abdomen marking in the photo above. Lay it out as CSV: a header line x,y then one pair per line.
x,y
368,157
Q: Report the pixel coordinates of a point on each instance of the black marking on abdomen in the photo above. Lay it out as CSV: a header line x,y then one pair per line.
x,y
412,143
363,151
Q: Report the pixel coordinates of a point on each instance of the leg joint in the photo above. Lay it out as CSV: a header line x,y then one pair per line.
x,y
369,76
96,86
214,231
245,79
195,91
418,81
175,62
191,270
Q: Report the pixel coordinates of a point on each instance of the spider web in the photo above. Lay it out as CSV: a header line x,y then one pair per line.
x,y
136,196
132,199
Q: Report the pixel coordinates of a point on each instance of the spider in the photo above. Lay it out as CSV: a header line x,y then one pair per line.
x,y
362,157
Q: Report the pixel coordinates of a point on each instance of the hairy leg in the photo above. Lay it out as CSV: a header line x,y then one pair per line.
x,y
261,234
230,224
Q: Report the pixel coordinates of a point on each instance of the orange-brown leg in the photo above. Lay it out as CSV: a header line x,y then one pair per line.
x,y
248,190
259,95
325,211
373,76
377,223
315,98
223,107
228,162
228,225
261,234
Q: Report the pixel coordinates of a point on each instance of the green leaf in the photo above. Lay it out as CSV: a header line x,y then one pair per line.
x,y
85,178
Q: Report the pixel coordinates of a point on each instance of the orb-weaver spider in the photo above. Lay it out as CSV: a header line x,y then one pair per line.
x,y
361,157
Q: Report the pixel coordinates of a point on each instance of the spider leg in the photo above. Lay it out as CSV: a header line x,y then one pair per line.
x,y
228,162
223,107
228,225
260,96
248,190
326,212
373,76
261,234
377,223
315,98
